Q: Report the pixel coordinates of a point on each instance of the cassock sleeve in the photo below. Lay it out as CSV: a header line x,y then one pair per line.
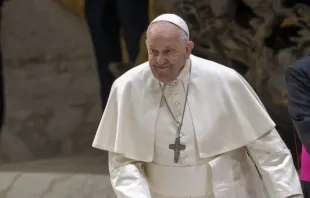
x,y
127,178
275,164
298,87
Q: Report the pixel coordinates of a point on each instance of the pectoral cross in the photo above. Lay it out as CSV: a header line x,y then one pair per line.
x,y
177,147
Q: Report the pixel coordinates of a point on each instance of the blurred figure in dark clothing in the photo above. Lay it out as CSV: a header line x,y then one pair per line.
x,y
1,73
298,88
105,19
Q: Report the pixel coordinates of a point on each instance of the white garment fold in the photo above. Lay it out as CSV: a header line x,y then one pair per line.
x,y
275,164
270,154
127,178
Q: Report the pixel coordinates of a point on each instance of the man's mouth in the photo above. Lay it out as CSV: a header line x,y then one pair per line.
x,y
162,67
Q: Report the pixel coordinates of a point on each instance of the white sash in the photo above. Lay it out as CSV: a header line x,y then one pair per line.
x,y
177,181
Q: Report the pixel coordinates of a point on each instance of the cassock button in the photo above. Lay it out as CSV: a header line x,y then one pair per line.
x,y
175,93
177,104
179,114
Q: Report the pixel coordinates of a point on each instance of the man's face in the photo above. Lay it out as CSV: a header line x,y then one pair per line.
x,y
167,50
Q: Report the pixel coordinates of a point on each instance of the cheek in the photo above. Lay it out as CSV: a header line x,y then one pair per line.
x,y
176,60
151,59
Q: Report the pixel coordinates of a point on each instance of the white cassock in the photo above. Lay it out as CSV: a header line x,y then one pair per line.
x,y
226,131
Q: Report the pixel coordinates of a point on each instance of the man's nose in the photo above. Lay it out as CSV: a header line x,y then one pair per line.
x,y
161,60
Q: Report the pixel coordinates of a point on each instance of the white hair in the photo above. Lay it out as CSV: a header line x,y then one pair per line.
x,y
183,35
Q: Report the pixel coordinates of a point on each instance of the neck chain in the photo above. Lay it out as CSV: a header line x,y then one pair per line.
x,y
184,108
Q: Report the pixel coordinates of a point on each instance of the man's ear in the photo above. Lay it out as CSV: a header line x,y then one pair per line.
x,y
189,47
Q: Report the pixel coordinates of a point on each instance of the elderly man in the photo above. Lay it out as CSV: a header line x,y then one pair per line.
x,y
183,126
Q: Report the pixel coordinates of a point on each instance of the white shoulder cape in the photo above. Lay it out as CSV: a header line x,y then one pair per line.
x,y
234,116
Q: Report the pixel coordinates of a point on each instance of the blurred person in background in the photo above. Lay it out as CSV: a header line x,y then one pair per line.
x,y
105,19
1,73
298,86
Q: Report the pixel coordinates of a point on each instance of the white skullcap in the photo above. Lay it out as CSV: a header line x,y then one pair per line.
x,y
172,18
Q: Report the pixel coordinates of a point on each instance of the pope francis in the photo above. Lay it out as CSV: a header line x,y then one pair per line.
x,y
182,126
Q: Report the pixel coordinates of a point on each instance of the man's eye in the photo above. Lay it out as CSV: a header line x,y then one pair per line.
x,y
169,51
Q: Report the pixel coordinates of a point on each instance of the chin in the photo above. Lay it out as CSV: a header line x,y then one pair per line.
x,y
164,80
161,77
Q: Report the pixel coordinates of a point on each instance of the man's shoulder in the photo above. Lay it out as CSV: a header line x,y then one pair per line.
x,y
133,77
301,65
207,68
299,70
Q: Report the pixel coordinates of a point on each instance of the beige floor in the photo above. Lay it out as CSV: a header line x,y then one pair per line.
x,y
82,176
